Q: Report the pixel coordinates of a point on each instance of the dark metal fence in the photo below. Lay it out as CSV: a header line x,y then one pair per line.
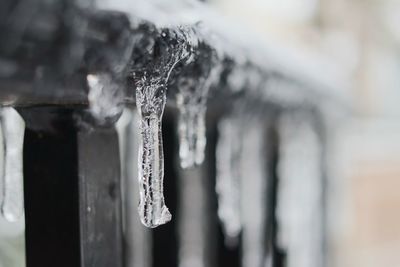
x,y
77,211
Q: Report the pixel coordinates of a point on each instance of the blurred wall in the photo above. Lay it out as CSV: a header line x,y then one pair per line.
x,y
360,40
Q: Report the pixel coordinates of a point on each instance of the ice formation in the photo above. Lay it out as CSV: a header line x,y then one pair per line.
x,y
193,84
105,98
12,133
138,238
228,176
253,195
299,210
152,208
151,90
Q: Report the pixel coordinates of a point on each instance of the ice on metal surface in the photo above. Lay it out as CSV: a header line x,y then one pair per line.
x,y
12,131
299,209
193,84
105,97
229,176
191,127
152,209
150,102
138,238
151,90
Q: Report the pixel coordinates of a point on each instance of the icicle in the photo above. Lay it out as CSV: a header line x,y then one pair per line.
x,y
150,103
151,90
299,210
12,128
105,98
228,177
253,195
192,104
138,238
192,141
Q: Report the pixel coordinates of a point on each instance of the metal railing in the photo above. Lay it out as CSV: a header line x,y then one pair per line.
x,y
70,69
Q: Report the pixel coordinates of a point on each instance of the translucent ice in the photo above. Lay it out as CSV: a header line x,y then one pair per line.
x,y
299,209
152,209
192,139
228,156
12,131
138,238
151,90
192,104
253,196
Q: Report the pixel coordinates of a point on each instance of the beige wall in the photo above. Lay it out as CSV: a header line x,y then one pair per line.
x,y
361,39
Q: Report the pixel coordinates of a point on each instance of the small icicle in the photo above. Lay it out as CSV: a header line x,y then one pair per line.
x,y
253,195
13,129
105,98
228,177
192,105
299,209
192,131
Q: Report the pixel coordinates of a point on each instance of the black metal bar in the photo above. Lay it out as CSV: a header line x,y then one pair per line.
x,y
49,65
165,241
99,198
72,191
51,188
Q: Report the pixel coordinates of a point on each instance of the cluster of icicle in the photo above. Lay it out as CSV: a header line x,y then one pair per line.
x,y
12,128
241,178
180,46
241,181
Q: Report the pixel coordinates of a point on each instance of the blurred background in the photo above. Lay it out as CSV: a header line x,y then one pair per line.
x,y
360,42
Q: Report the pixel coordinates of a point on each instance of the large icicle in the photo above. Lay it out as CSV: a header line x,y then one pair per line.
x,y
138,238
253,194
299,209
13,129
194,83
150,101
151,90
228,177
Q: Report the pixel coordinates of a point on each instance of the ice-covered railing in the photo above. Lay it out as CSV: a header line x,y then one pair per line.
x,y
108,55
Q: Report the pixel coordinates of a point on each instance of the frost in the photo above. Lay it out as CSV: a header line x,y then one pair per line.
x,y
228,179
12,133
105,98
